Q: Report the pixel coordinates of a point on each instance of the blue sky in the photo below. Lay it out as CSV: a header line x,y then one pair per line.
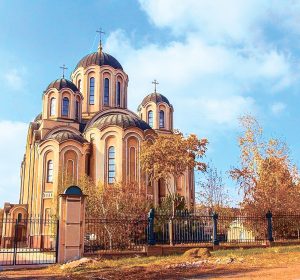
x,y
214,60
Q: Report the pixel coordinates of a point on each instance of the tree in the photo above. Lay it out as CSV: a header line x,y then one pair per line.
x,y
213,195
266,176
170,155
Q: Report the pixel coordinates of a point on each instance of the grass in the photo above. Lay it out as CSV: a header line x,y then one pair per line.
x,y
255,251
251,256
145,268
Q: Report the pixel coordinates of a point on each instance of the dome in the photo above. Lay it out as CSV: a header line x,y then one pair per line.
x,y
122,118
62,136
99,58
156,98
38,117
62,83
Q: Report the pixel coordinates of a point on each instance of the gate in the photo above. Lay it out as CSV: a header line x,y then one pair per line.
x,y
28,241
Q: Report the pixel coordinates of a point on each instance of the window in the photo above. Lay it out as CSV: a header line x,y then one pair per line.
x,y
50,171
106,92
161,119
19,217
79,85
111,165
118,94
65,107
150,118
92,91
52,106
77,110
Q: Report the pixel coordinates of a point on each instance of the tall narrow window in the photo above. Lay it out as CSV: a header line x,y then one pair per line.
x,y
79,85
52,106
161,119
65,107
77,110
106,92
111,165
92,91
132,164
118,94
50,171
19,217
150,118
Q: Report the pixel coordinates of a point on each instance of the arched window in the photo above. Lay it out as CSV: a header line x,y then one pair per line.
x,y
150,118
132,164
65,107
52,106
106,92
92,91
111,165
161,119
19,217
77,110
79,85
118,94
50,171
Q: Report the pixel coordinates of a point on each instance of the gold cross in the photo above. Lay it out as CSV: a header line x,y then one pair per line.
x,y
100,31
63,69
155,83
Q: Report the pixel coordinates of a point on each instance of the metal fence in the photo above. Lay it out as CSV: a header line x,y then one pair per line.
x,y
189,228
118,234
28,241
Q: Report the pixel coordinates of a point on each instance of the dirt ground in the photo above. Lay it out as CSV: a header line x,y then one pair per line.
x,y
258,264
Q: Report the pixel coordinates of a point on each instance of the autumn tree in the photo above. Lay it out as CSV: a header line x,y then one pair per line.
x,y
266,176
213,194
170,155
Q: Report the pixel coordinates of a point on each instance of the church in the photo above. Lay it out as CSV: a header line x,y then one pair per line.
x,y
86,128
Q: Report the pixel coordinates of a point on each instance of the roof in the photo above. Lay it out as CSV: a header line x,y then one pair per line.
x,y
99,58
156,98
65,135
62,83
38,117
122,118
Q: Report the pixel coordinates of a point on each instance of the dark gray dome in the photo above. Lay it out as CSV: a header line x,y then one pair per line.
x,y
99,58
156,98
62,83
121,118
62,136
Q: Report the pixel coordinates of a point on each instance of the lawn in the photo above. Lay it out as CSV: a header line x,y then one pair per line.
x,y
259,263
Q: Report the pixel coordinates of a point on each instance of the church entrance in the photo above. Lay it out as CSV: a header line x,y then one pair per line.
x,y
28,241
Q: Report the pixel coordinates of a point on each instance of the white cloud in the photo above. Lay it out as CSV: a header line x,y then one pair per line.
x,y
211,85
212,18
278,108
14,78
12,148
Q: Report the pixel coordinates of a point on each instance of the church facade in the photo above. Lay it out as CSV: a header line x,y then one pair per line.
x,y
85,128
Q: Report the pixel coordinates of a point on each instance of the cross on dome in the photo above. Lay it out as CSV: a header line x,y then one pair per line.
x,y
63,69
100,31
155,83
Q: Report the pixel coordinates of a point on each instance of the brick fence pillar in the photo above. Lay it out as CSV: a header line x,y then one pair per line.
x,y
71,224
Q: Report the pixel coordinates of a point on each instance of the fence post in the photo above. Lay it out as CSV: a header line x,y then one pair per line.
x,y
151,237
269,226
215,229
171,231
71,224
